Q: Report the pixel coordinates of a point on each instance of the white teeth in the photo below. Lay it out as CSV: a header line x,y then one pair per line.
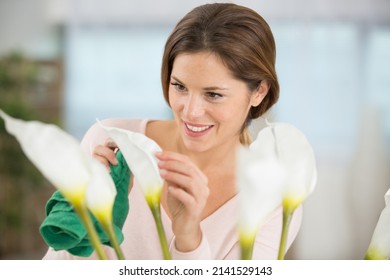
x,y
197,128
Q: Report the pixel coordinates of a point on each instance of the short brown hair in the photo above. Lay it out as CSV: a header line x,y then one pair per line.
x,y
236,34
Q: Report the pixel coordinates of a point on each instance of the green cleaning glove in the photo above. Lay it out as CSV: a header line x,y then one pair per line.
x,y
62,228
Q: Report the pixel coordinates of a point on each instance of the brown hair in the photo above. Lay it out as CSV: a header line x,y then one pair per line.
x,y
239,36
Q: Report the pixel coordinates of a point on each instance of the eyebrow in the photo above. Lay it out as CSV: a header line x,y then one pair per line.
x,y
206,88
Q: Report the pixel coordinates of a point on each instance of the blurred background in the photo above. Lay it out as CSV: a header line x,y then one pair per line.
x,y
71,61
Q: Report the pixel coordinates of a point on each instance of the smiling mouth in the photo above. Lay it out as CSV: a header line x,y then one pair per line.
x,y
197,129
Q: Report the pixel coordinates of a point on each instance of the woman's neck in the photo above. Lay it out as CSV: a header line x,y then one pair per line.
x,y
220,156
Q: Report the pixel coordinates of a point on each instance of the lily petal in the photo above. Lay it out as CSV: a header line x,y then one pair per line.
x,y
259,181
101,193
139,153
295,152
379,247
56,154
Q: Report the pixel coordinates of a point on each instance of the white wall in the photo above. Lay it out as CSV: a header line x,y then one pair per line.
x,y
29,24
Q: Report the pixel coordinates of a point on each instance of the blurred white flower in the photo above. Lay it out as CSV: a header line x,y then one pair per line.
x,y
55,153
259,181
379,247
101,193
59,157
295,153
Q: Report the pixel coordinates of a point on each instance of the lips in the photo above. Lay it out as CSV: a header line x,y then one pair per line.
x,y
196,130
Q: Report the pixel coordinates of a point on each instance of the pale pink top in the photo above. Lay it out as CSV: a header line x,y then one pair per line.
x,y
219,230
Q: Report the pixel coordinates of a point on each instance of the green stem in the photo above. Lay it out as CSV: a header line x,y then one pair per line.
x,y
83,213
113,240
287,214
247,247
156,212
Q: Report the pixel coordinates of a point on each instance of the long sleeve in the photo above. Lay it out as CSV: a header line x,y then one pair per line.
x,y
203,252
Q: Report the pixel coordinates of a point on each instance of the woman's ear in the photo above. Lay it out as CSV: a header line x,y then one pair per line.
x,y
259,93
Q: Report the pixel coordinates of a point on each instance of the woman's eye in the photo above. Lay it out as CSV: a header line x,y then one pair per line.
x,y
213,95
178,87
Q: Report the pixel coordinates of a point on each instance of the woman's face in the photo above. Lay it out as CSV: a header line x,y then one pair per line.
x,y
210,106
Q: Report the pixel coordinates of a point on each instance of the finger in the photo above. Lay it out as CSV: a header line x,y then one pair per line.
x,y
168,155
194,187
179,180
181,195
187,168
106,153
104,161
179,163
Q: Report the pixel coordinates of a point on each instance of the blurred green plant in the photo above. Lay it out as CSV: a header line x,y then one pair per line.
x,y
18,76
19,79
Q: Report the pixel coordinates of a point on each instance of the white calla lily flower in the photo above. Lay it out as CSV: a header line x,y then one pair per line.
x,y
139,152
296,155
259,182
101,193
59,157
379,247
100,198
56,154
294,151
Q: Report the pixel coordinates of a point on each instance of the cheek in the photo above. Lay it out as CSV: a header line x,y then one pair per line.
x,y
177,104
240,109
236,115
173,102
230,116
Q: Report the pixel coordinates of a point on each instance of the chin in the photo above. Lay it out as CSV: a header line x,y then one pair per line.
x,y
196,146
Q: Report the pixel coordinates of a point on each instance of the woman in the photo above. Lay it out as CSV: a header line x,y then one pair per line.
x,y
218,73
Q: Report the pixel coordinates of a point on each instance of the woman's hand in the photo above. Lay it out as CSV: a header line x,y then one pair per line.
x,y
187,195
106,153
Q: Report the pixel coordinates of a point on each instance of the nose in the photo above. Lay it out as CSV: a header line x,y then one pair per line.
x,y
194,106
